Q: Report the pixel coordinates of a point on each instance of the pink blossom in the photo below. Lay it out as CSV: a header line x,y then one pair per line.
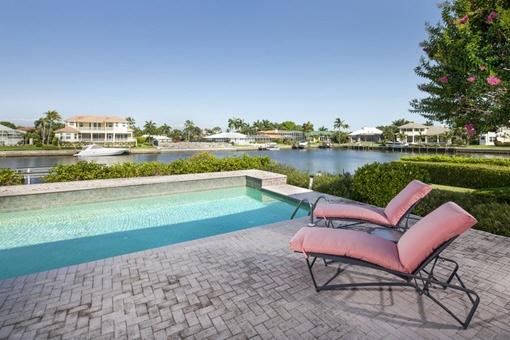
x,y
471,79
493,80
492,16
470,129
464,19
482,68
443,79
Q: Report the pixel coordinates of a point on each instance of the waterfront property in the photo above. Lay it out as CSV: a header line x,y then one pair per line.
x,y
366,134
10,136
417,133
243,284
272,135
501,135
96,129
230,137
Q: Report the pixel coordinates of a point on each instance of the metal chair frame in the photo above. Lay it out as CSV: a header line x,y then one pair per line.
x,y
422,279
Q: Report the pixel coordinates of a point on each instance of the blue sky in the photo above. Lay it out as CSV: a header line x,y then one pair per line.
x,y
208,61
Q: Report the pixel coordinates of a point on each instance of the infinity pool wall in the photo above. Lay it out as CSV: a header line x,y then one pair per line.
x,y
36,196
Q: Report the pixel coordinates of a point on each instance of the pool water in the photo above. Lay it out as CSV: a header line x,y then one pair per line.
x,y
38,240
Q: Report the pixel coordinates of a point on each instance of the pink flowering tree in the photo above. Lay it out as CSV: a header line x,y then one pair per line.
x,y
466,64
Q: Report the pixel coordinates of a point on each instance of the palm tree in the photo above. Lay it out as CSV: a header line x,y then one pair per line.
x,y
40,125
257,125
150,129
448,135
307,128
235,123
340,124
402,136
267,125
400,122
47,122
52,116
188,129
131,122
165,129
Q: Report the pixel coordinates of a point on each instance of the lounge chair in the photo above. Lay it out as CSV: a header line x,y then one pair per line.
x,y
396,212
413,259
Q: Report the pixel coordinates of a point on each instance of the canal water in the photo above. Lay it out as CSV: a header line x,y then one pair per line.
x,y
311,160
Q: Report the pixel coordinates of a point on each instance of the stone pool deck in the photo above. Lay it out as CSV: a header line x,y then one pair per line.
x,y
247,285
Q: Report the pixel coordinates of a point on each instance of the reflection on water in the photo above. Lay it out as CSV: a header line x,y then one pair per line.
x,y
312,160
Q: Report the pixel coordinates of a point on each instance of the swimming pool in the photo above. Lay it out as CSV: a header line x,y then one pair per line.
x,y
44,239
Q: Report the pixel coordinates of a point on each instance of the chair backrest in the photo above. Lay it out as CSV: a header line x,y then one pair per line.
x,y
446,222
405,200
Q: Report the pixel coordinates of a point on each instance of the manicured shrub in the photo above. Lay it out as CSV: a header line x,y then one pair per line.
x,y
501,195
377,183
80,171
475,176
340,185
457,159
10,177
493,216
465,172
200,163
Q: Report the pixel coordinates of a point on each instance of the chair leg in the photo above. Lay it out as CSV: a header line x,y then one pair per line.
x,y
421,283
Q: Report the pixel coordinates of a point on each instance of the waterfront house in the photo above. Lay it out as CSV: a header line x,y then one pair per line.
x,y
230,137
10,136
501,135
417,133
273,135
96,129
320,136
366,134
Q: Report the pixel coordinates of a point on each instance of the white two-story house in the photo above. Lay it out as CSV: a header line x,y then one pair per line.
x,y
96,129
502,135
416,132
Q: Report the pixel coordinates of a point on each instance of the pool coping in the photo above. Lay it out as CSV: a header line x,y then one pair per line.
x,y
43,195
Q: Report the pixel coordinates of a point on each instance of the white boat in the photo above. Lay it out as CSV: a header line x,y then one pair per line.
x,y
397,145
97,150
270,147
303,144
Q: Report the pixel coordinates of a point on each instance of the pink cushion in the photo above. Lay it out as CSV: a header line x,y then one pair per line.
x,y
447,221
354,244
351,211
405,199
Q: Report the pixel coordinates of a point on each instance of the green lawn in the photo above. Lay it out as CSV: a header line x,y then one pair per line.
x,y
455,189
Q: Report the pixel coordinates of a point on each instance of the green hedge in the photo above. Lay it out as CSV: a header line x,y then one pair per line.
x,y
378,183
340,185
458,160
202,162
10,177
492,214
465,175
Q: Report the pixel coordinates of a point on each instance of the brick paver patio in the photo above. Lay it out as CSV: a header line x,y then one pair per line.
x,y
241,285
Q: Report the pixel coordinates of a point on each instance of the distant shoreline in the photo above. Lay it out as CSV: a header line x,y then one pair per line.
x,y
71,152
214,148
